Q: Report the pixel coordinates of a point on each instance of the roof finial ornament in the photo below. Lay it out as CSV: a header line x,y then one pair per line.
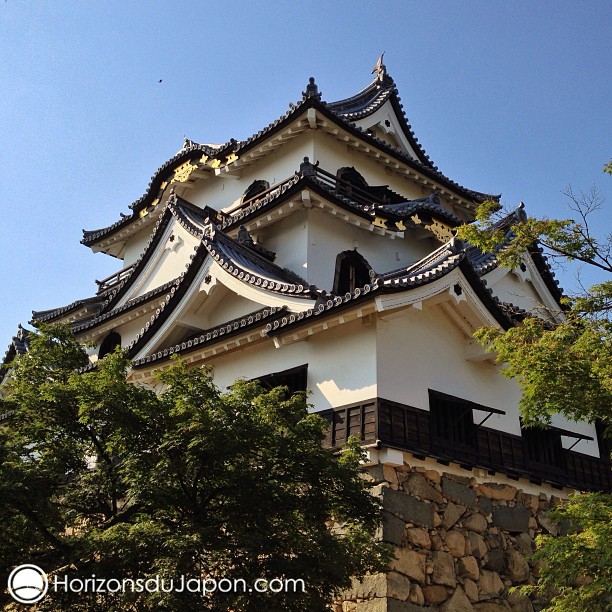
x,y
307,168
244,237
520,213
312,90
381,71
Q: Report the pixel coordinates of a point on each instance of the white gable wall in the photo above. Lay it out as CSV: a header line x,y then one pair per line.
x,y
379,120
169,260
136,246
288,238
508,287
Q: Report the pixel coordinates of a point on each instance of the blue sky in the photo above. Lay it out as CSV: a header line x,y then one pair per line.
x,y
510,97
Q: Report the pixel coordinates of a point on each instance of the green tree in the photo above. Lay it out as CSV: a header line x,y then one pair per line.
x,y
102,477
563,363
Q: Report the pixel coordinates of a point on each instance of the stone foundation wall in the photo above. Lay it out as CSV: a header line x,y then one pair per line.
x,y
460,543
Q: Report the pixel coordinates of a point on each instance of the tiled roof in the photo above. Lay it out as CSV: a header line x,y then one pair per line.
x,y
369,100
344,112
209,336
45,316
239,260
141,299
172,300
19,346
116,292
429,204
435,265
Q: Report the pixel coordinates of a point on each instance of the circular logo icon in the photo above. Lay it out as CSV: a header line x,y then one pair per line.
x,y
28,584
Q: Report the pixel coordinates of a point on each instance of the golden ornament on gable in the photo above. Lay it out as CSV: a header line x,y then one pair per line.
x,y
183,172
440,230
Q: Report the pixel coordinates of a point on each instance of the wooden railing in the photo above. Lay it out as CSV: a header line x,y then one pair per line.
x,y
114,279
407,428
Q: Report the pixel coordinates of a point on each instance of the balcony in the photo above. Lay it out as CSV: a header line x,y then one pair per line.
x,y
406,428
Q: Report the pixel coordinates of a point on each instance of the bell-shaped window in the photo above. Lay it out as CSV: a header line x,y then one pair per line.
x,y
352,272
254,189
109,344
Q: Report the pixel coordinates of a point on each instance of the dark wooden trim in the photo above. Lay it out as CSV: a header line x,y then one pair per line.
x,y
404,427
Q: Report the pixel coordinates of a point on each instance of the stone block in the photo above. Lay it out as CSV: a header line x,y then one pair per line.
x,y
491,606
468,567
478,546
376,473
404,606
433,476
389,474
416,594
531,502
524,543
495,539
489,584
458,493
408,508
452,514
418,537
456,543
547,524
519,602
398,586
458,602
371,585
475,522
436,541
471,589
512,519
393,529
372,605
434,594
410,563
516,565
496,491
417,485
443,569
485,505
495,560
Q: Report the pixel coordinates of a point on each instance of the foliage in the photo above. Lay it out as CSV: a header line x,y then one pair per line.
x,y
576,568
563,363
102,477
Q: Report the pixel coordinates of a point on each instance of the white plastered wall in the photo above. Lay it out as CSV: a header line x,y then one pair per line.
x,y
421,349
328,236
333,154
341,364
221,192
288,238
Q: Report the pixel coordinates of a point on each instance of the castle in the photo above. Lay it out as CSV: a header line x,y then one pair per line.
x,y
320,254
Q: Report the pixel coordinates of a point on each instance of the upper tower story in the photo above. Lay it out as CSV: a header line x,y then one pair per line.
x,y
364,145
